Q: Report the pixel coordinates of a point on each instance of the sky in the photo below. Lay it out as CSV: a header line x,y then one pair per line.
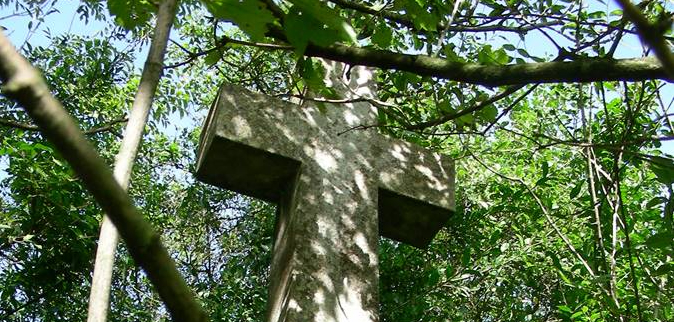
x,y
66,20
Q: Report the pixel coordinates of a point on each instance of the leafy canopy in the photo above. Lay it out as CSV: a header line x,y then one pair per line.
x,y
564,202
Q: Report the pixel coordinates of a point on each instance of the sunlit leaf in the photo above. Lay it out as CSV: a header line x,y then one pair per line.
x,y
131,13
252,16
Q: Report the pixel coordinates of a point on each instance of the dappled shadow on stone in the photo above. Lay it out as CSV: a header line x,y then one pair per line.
x,y
329,183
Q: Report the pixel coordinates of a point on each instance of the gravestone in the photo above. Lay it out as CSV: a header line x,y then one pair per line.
x,y
337,189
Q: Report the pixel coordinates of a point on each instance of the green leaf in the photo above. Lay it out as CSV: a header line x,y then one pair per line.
x,y
467,119
660,240
501,57
555,259
564,308
484,55
576,315
212,58
488,56
465,258
131,13
663,169
445,106
382,36
655,201
296,25
252,16
545,167
495,236
597,14
449,271
450,55
489,113
575,190
523,52
616,12
416,10
664,269
563,277
42,147
433,277
327,17
313,73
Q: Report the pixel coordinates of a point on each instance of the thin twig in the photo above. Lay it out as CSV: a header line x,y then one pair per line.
x,y
509,108
554,226
474,108
224,41
32,127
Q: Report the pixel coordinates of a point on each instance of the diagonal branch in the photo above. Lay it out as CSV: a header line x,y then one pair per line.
x,y
580,70
24,84
224,41
474,108
32,127
18,125
548,219
651,34
106,127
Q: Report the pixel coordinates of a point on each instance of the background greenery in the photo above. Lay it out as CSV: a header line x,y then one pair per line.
x,y
564,209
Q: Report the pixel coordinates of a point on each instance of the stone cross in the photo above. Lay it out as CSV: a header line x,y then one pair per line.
x,y
336,189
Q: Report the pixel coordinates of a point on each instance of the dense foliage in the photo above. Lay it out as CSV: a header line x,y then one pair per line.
x,y
564,209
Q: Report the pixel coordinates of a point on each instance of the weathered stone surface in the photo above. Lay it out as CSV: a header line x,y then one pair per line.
x,y
330,184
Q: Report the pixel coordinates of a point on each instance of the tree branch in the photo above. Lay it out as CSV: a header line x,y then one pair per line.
x,y
18,125
106,127
581,70
32,127
99,297
651,34
548,219
24,84
405,21
224,40
509,108
474,108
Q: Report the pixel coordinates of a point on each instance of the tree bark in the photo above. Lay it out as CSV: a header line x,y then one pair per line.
x,y
24,84
99,298
651,34
581,70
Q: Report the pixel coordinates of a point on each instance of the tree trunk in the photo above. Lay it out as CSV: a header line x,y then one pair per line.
x,y
99,298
